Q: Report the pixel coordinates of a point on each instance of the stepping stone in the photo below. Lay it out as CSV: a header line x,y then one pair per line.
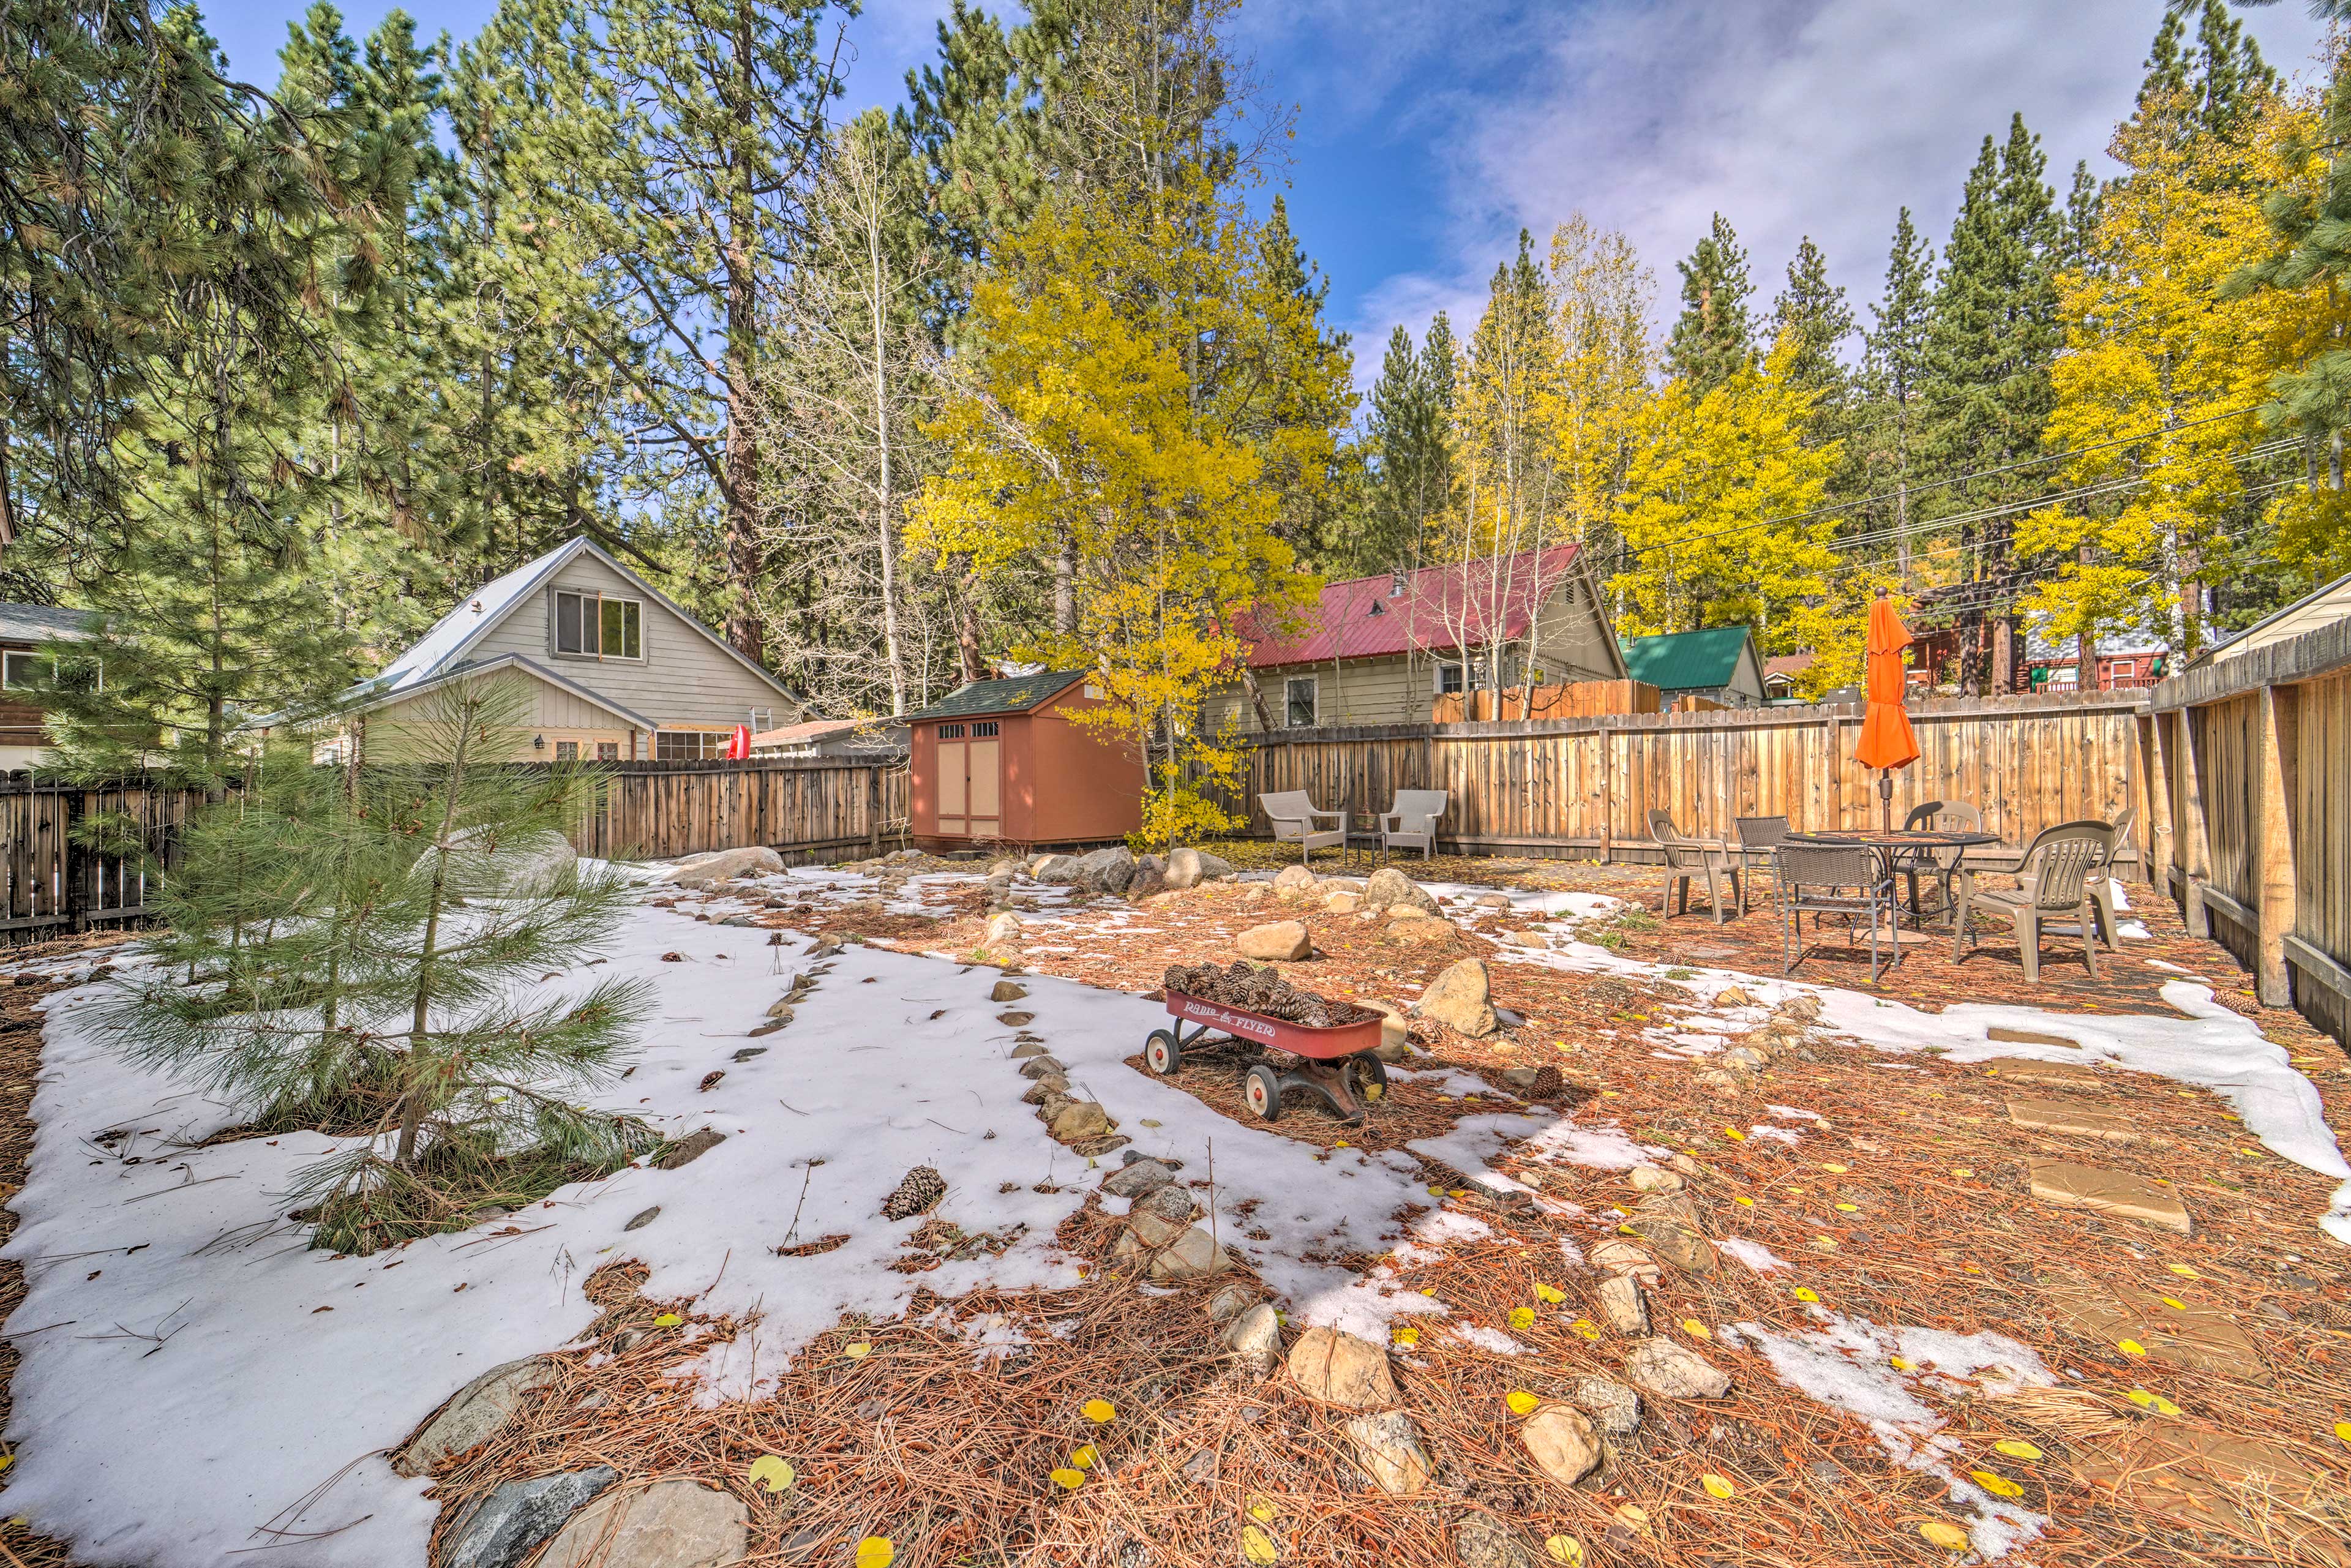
x,y
2201,1339
2025,1069
2064,1184
2260,1489
2064,1116
2002,1035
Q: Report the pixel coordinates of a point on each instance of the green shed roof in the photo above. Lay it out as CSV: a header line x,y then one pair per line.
x,y
1685,661
1016,693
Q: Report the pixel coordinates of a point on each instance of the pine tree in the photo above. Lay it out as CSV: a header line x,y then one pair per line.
x,y
1713,340
1810,313
1894,369
2218,81
1308,392
353,956
1412,474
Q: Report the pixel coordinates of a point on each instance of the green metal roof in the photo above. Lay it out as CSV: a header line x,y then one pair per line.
x,y
1685,661
1017,694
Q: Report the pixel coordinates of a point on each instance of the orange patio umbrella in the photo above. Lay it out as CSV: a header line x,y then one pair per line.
x,y
1887,742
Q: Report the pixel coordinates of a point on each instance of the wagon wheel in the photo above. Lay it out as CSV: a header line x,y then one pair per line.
x,y
1262,1090
1160,1053
1367,1079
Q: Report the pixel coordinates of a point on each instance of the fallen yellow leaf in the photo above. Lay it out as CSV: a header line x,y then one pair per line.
x,y
1743,1200
1696,1329
1550,1294
2155,1402
2343,1430
1586,1327
859,1351
1999,1485
1632,1516
1806,1293
2017,1449
1716,1486
1734,1134
2130,1347
1962,1172
771,1472
2175,1304
2183,1270
667,1320
1408,1336
1838,1170
876,1551
1565,1549
1521,1402
1068,1480
1522,1317
1848,1208
1261,1509
1098,1410
1949,1537
1257,1546
1898,1364
1084,1459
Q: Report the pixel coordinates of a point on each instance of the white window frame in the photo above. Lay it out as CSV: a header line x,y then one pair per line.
x,y
8,665
631,609
1460,668
709,745
1289,685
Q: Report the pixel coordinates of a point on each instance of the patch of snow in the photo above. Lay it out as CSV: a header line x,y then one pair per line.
x,y
1491,1340
1754,1254
1793,1114
1777,1135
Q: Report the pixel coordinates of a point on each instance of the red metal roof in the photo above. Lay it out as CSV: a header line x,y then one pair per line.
x,y
1436,608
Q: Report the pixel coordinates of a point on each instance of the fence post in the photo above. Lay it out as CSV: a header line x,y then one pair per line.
x,y
2194,837
2280,715
2160,848
874,811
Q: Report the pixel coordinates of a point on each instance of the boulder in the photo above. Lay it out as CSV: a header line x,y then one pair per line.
x,y
755,860
1060,870
483,862
1395,1032
1461,998
1615,1256
1284,941
1342,1369
1254,1337
669,1524
1293,879
1081,1120
1007,868
502,1530
473,1414
1150,1230
1613,1408
1194,1255
1389,888
1389,1450
1150,881
1137,1177
1665,1368
1423,931
694,1145
1561,1440
1106,871
1215,868
1003,930
1191,867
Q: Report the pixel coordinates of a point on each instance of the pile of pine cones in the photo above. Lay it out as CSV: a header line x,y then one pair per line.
x,y
1262,991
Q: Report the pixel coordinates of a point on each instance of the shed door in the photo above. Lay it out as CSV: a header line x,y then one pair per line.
x,y
952,793
982,792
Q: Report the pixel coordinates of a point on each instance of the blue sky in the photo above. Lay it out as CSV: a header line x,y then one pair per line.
x,y
1428,131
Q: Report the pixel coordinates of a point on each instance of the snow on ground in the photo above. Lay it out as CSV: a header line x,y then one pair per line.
x,y
194,1376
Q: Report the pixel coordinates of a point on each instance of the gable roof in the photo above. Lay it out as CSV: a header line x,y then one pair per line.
x,y
1686,661
2322,606
1478,602
515,662
439,650
41,622
1016,693
817,729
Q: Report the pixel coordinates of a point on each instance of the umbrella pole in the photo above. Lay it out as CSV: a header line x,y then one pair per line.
x,y
1886,799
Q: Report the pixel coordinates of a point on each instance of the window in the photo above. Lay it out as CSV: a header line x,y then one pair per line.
x,y
986,728
567,751
1299,694
1448,677
950,732
689,745
595,627
30,667
607,751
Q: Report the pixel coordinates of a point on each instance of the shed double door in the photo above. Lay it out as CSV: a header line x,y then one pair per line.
x,y
970,792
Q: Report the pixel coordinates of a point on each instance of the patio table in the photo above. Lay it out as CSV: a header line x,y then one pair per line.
x,y
1889,844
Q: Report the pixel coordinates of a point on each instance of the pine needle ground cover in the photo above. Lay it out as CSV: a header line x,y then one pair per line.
x,y
1916,1344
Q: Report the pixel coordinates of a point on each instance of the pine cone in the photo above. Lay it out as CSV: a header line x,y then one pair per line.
x,y
918,1193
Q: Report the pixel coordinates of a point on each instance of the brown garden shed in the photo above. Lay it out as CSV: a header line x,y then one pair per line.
x,y
1005,762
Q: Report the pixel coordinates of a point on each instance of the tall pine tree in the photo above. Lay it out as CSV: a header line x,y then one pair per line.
x,y
1894,369
1714,337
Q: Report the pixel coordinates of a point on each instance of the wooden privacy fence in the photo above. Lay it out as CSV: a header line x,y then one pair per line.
x,y
52,883
2252,760
805,808
1585,787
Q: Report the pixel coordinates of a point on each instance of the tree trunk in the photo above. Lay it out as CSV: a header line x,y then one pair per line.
x,y
412,1111
885,525
966,630
1065,588
742,554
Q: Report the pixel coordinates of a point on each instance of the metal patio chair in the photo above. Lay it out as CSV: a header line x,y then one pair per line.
x,y
1937,816
1758,843
1845,881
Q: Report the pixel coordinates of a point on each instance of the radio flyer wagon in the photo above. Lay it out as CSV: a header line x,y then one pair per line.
x,y
1339,1061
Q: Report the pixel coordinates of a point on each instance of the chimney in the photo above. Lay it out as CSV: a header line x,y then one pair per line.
x,y
1396,585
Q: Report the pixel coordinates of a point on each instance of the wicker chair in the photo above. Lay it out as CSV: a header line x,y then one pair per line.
x,y
1937,816
1412,823
1686,857
1846,882
1292,814
2053,891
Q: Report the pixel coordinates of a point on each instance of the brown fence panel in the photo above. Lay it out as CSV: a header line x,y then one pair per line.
x,y
805,808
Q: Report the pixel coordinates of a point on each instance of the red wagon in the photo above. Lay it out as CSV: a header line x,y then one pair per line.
x,y
1339,1061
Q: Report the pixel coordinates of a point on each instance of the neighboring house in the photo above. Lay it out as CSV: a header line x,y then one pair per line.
x,y
859,738
2119,669
2322,607
23,627
1379,650
1780,676
1718,663
615,671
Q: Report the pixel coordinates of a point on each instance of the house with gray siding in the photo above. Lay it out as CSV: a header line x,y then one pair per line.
x,y
1382,649
611,668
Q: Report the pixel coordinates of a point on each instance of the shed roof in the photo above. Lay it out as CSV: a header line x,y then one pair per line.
x,y
1014,693
40,622
1686,661
1470,603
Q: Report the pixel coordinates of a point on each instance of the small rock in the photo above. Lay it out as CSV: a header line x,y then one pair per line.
x,y
1389,887
694,1145
1293,879
643,1218
1649,1179
748,1052
1662,1367
1342,902
1038,1066
1052,1084
1137,1177
1804,1007
1687,1165
1194,1255
1342,1369
1481,1540
1255,1338
473,1415
1027,1049
1422,931
1560,1439
1284,941
1492,901
1617,1256
1523,939
1620,1303
1230,1302
1613,1408
1169,1202
1003,930
1746,1058
1734,997
517,1516
1081,1120
783,1009
1008,991
669,1524
755,860
1461,998
1388,1450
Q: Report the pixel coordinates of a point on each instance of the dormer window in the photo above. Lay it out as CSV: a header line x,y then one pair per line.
x,y
596,626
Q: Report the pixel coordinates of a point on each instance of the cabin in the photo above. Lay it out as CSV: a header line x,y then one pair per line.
x,y
1717,665
26,632
1005,762
1383,649
614,671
